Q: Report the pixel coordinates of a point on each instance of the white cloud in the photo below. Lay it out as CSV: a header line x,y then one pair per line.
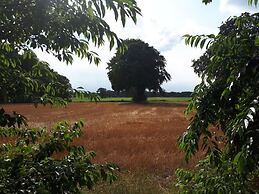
x,y
179,61
81,72
162,26
235,7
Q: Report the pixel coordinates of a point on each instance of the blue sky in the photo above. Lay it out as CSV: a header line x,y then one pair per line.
x,y
162,25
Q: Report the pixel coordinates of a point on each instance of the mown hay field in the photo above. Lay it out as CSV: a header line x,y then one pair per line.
x,y
137,137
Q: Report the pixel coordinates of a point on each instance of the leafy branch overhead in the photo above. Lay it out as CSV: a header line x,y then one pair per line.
x,y
199,40
64,28
32,80
61,27
227,99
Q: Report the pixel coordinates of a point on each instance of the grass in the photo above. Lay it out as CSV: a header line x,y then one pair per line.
x,y
169,99
134,183
150,100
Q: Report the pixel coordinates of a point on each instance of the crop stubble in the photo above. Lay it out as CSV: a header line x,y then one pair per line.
x,y
135,136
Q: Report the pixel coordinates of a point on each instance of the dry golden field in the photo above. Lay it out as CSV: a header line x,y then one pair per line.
x,y
136,137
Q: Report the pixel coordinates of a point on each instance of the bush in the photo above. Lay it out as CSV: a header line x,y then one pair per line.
x,y
210,179
227,99
47,161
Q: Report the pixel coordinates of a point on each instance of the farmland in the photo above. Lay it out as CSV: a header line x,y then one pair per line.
x,y
128,99
219,71
140,138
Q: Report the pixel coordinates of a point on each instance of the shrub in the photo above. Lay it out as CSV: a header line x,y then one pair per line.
x,y
47,161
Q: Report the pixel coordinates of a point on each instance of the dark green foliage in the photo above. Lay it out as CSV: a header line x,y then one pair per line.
x,y
105,93
228,99
15,120
139,68
80,93
222,178
30,80
60,27
228,94
50,83
27,164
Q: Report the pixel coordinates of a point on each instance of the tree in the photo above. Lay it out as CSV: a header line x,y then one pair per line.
x,y
102,92
49,83
14,81
17,81
65,89
227,99
60,27
63,28
139,68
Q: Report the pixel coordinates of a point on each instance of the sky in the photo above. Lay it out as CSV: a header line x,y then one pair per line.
x,y
162,25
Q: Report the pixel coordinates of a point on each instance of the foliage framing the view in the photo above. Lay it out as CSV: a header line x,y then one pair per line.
x,y
37,75
226,99
139,68
64,28
61,27
27,164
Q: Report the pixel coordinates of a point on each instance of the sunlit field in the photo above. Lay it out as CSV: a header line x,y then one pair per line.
x,y
140,138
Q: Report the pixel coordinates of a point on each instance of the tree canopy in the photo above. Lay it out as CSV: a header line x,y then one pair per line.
x,y
227,99
31,79
61,27
139,68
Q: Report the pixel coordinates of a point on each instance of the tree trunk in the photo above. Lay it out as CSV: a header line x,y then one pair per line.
x,y
3,96
139,95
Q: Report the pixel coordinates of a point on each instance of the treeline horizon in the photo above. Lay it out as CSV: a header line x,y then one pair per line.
x,y
105,93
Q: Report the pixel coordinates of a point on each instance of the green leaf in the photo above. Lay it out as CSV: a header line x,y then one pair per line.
x,y
202,43
237,157
111,43
225,93
123,17
197,41
192,40
257,41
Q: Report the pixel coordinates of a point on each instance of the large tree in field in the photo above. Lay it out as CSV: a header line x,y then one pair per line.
x,y
139,68
64,28
227,99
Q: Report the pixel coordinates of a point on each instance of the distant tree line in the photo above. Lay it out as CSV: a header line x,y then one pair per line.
x,y
105,93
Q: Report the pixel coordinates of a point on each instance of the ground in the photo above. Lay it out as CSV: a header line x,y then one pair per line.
x,y
137,137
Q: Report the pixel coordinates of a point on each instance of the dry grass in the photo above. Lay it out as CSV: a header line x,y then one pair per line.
x,y
134,183
136,137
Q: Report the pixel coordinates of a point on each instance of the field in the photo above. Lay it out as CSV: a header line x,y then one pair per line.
x,y
128,99
140,138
